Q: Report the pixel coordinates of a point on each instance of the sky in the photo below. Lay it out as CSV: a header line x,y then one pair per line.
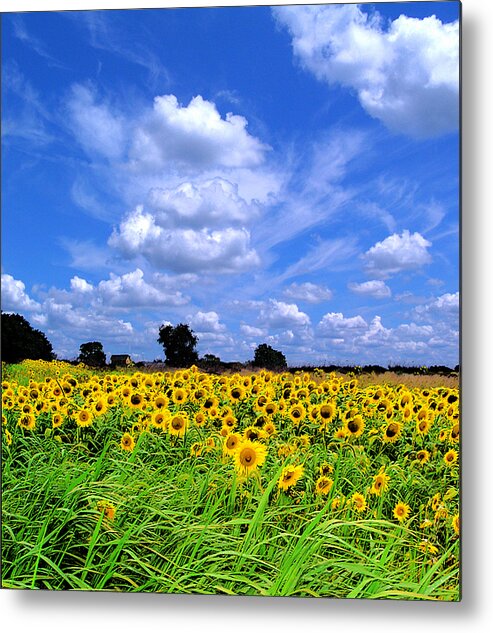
x,y
281,175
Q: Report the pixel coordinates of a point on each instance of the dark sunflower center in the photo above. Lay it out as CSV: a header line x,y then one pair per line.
x,y
247,456
353,426
391,430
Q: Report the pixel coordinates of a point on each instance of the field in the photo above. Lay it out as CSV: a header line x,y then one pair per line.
x,y
268,484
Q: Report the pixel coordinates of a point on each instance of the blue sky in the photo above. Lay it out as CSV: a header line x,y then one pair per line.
x,y
285,175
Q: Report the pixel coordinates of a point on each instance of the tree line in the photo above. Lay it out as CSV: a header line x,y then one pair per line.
x,y
20,341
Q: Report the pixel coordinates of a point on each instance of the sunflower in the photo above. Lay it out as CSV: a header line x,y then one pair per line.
x,y
325,469
454,433
136,401
436,501
236,393
380,483
335,504
231,443
159,420
358,502
160,402
355,426
179,395
84,418
127,442
401,511
340,434
100,406
107,508
427,548
270,429
323,485
443,435
327,411
451,457
392,432
456,524
407,414
253,433
423,456
423,425
229,421
290,476
56,420
270,408
8,437
297,413
196,449
27,421
178,424
249,456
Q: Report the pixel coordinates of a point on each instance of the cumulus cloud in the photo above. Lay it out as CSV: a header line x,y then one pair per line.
x,y
81,323
446,305
335,324
397,253
308,292
14,296
277,314
131,291
374,288
211,203
183,249
206,322
405,73
195,135
252,332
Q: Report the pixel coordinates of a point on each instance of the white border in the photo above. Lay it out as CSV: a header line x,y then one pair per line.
x,y
74,612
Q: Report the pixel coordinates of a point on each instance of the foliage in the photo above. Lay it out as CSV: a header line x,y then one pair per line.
x,y
269,358
131,482
20,340
92,354
179,345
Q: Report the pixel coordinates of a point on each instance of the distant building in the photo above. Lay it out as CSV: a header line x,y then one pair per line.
x,y
120,360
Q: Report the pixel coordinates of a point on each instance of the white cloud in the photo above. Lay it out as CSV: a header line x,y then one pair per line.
x,y
80,323
373,288
195,135
335,324
252,332
309,292
407,75
131,291
14,296
397,253
183,250
96,126
277,314
446,305
211,203
202,322
77,284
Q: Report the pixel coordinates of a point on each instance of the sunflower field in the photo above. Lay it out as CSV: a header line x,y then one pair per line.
x,y
304,484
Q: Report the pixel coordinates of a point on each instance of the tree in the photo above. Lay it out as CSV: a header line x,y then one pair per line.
x,y
20,340
269,358
179,344
92,354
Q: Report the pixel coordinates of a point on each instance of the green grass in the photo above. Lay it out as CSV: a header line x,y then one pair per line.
x,y
186,525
